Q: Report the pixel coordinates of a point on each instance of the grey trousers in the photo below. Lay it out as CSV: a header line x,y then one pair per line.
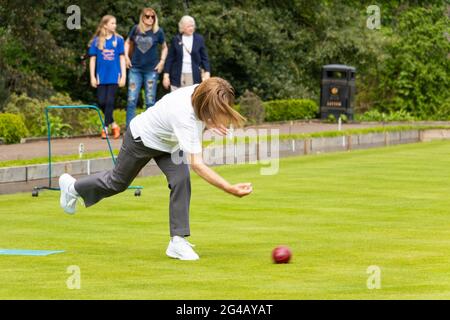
x,y
133,156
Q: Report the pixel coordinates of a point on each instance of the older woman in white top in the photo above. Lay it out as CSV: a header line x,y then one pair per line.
x,y
187,61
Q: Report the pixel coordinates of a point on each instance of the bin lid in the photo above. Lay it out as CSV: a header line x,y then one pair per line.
x,y
338,67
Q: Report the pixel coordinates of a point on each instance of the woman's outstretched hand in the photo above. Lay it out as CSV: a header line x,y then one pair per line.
x,y
240,189
199,167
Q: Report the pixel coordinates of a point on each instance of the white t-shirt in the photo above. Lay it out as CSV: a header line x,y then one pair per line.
x,y
171,124
187,60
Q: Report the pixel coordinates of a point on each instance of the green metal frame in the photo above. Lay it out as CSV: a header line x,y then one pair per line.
x,y
47,109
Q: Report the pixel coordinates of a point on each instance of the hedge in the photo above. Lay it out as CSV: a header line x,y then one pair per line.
x,y
12,128
290,109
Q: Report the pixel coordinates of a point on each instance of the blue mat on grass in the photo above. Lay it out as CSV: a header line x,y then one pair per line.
x,y
15,252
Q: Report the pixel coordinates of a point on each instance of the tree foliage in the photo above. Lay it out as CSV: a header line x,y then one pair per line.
x,y
416,73
273,48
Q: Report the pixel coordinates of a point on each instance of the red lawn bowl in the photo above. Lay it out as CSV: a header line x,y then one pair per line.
x,y
281,254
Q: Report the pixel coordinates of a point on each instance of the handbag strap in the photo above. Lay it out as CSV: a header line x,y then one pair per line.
x,y
184,46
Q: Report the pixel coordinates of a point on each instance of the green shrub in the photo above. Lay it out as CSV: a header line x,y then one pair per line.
x,y
344,118
443,113
64,122
120,117
57,127
30,111
415,74
331,118
401,115
12,128
93,124
375,115
67,122
251,107
290,109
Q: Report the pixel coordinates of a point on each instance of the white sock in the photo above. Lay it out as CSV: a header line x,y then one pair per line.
x,y
72,190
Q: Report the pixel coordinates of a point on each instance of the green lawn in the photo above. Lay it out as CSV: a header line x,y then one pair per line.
x,y
340,213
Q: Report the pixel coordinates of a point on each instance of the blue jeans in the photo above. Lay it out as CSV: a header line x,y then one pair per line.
x,y
136,78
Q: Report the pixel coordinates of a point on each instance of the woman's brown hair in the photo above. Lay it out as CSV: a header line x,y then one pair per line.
x,y
213,102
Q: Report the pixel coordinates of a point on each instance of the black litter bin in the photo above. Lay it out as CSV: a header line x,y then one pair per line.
x,y
337,91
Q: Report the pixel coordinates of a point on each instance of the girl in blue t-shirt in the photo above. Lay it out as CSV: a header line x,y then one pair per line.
x,y
107,69
143,62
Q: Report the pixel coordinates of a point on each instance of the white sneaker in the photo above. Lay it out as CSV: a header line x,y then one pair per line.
x,y
68,200
180,248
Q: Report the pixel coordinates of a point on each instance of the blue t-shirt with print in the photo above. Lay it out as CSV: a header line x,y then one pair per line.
x,y
108,59
145,54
